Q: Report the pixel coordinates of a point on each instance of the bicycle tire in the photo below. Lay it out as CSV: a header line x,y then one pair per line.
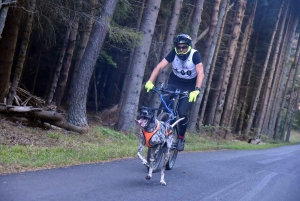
x,y
164,116
173,150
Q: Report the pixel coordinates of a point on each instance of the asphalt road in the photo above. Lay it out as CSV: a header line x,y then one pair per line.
x,y
263,175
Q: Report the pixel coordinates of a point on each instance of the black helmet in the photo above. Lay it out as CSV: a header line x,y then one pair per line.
x,y
183,39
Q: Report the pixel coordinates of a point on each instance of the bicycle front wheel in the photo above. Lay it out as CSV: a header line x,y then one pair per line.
x,y
173,151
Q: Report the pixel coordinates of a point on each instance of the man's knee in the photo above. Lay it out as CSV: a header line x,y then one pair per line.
x,y
185,120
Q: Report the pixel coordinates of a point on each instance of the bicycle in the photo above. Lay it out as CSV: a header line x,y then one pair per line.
x,y
168,114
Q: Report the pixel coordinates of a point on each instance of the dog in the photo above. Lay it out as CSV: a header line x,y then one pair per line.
x,y
154,134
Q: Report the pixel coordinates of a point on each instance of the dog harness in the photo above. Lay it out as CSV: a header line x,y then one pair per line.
x,y
148,135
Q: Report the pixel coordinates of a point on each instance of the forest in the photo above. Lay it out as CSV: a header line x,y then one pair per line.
x,y
61,60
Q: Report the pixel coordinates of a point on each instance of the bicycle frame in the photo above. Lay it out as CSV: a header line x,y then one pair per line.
x,y
177,93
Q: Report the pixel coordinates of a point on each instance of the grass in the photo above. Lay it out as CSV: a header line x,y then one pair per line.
x,y
196,143
101,144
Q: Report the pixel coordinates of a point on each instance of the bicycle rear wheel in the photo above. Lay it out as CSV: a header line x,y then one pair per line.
x,y
173,151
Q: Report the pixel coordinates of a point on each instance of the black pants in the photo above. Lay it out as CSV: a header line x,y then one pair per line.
x,y
183,104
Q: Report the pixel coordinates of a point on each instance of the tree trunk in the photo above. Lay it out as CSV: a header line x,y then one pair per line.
x,y
238,20
247,95
274,67
58,68
277,109
239,71
294,110
168,44
95,91
253,109
278,94
211,43
164,23
84,38
189,19
212,27
131,99
77,110
246,103
4,5
284,88
267,128
214,92
38,117
295,65
129,66
36,74
63,78
23,51
7,49
196,20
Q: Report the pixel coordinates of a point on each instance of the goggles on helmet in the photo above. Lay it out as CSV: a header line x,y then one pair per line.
x,y
182,53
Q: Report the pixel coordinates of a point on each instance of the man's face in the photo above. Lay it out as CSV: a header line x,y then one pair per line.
x,y
182,48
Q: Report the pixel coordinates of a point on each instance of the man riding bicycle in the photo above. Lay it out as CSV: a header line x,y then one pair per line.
x,y
187,75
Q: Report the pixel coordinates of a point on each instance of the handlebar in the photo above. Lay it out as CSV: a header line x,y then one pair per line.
x,y
177,92
162,90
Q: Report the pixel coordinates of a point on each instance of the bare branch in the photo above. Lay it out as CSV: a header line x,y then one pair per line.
x,y
202,34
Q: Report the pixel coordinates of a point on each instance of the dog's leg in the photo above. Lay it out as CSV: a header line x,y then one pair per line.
x,y
168,145
152,159
144,161
163,168
140,151
157,151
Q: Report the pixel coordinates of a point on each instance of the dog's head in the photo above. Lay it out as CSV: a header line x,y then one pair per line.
x,y
146,115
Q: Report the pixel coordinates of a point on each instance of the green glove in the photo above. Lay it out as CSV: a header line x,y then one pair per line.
x,y
193,96
149,85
